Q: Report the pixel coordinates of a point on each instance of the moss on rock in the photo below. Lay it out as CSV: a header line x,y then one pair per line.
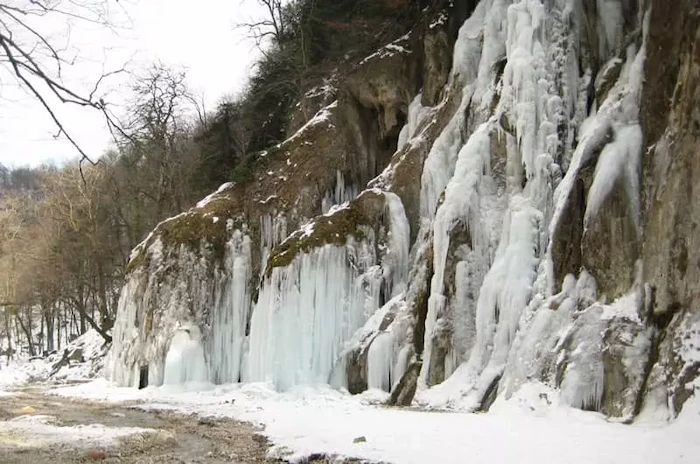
x,y
334,229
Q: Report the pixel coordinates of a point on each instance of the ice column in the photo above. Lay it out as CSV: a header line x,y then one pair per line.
x,y
307,310
185,360
229,318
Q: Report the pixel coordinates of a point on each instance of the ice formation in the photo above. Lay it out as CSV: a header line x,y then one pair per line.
x,y
185,359
342,193
533,110
380,362
309,309
215,302
229,317
417,114
492,193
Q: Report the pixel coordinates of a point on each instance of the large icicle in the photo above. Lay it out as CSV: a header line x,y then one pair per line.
x,y
380,362
342,193
307,310
476,51
229,318
396,260
417,113
273,230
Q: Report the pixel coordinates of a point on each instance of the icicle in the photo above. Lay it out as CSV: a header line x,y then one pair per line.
x,y
341,194
416,115
120,365
380,362
584,378
273,230
396,260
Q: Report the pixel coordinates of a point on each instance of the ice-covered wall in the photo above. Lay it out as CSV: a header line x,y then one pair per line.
x,y
525,183
501,190
185,289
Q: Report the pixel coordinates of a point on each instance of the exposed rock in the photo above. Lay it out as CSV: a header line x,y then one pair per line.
x,y
672,240
442,344
406,389
626,361
76,355
386,82
356,371
311,103
610,244
441,28
436,65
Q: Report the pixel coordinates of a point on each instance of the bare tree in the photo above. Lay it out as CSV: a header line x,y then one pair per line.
x,y
272,26
36,59
160,122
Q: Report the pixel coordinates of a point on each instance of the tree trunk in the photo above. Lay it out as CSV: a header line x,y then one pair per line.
x,y
8,330
85,317
49,330
105,319
83,326
27,332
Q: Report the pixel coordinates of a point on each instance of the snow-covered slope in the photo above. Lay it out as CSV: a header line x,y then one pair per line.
x,y
506,241
81,360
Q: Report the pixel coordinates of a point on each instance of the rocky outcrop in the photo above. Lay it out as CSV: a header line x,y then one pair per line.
x,y
671,261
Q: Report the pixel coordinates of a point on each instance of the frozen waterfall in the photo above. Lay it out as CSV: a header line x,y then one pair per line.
x,y
185,359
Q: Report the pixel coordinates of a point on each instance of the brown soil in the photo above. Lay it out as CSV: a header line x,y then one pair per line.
x,y
180,438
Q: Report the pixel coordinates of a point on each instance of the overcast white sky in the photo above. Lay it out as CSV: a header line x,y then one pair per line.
x,y
199,36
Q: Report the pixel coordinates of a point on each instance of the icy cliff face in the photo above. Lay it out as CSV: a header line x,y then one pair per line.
x,y
514,236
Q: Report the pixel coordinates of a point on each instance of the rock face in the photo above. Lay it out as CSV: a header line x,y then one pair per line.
x,y
508,194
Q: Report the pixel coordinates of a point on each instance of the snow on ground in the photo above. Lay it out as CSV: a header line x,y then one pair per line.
x,y
529,428
87,363
32,431
20,372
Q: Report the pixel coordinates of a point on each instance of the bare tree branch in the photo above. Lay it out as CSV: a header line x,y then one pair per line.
x,y
26,58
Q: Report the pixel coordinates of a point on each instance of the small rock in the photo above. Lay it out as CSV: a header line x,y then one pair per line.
x,y
97,455
360,440
76,355
27,410
206,421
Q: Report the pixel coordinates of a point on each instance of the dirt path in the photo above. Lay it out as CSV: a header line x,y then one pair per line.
x,y
179,439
